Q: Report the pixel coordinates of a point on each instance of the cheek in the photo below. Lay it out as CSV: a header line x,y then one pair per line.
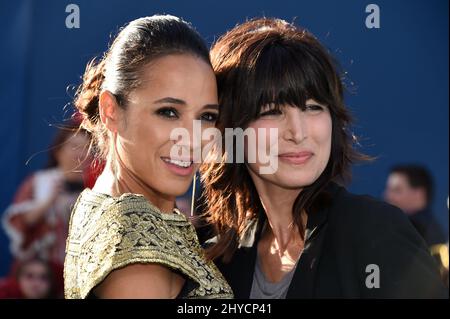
x,y
262,143
149,138
138,146
323,136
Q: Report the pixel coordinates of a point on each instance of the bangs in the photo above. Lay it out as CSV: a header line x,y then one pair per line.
x,y
286,74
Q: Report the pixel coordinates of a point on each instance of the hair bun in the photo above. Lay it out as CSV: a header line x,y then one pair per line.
x,y
86,100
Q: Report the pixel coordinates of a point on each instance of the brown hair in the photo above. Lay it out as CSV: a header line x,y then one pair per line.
x,y
120,69
266,61
65,132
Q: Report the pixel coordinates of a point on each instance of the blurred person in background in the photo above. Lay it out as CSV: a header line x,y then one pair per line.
x,y
410,188
37,220
32,279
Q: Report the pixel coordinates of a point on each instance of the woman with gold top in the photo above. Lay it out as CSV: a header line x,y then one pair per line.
x,y
126,237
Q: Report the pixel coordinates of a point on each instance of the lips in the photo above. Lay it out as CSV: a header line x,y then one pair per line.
x,y
181,167
179,162
296,157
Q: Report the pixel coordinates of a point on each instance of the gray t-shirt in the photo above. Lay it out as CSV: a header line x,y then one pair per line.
x,y
264,289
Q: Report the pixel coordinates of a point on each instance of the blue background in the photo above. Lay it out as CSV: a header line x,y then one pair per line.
x,y
398,75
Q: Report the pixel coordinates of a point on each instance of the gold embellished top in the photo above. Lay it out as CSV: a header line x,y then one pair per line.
x,y
107,233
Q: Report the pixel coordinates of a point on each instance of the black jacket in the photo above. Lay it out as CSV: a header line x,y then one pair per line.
x,y
343,243
428,227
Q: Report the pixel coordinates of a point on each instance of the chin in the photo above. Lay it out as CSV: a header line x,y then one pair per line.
x,y
294,182
175,189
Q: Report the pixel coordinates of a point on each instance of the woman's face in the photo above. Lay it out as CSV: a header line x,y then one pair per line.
x,y
175,91
304,144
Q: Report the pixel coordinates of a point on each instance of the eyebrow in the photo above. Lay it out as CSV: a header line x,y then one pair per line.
x,y
173,100
211,106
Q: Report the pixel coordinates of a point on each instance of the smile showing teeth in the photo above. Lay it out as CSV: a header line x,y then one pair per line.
x,y
177,162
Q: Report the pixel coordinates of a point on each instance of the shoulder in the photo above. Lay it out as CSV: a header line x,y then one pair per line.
x,y
25,189
97,213
107,234
366,223
364,212
132,282
120,226
366,232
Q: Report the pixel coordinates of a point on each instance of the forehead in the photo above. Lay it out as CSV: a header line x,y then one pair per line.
x,y
180,76
398,180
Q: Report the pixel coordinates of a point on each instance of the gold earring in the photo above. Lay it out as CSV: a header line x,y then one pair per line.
x,y
194,179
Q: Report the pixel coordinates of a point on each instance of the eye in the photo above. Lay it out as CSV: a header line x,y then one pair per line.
x,y
168,112
315,108
271,112
209,117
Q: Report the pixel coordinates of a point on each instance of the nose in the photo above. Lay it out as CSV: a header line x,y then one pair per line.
x,y
296,125
190,137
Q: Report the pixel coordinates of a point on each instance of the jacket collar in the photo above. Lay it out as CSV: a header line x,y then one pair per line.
x,y
302,284
315,220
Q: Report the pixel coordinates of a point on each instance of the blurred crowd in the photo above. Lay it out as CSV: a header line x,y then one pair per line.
x,y
37,220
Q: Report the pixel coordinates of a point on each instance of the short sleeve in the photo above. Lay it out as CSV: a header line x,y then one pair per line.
x,y
128,233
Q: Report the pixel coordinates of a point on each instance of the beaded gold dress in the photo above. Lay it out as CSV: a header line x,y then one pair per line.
x,y
107,233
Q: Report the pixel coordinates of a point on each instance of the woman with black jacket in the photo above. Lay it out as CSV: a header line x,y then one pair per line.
x,y
288,230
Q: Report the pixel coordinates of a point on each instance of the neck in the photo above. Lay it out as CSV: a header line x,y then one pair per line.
x,y
278,204
125,181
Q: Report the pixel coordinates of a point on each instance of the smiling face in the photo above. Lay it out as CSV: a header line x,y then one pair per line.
x,y
175,91
304,144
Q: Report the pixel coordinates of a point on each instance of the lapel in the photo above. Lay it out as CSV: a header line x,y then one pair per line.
x,y
304,279
241,279
247,262
302,284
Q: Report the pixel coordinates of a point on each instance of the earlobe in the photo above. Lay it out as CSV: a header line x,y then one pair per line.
x,y
108,110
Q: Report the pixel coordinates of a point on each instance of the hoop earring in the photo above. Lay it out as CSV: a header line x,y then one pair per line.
x,y
113,156
194,179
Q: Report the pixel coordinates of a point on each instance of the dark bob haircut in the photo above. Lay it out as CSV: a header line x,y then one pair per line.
x,y
266,61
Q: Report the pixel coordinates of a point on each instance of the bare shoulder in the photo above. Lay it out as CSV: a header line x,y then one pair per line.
x,y
140,281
